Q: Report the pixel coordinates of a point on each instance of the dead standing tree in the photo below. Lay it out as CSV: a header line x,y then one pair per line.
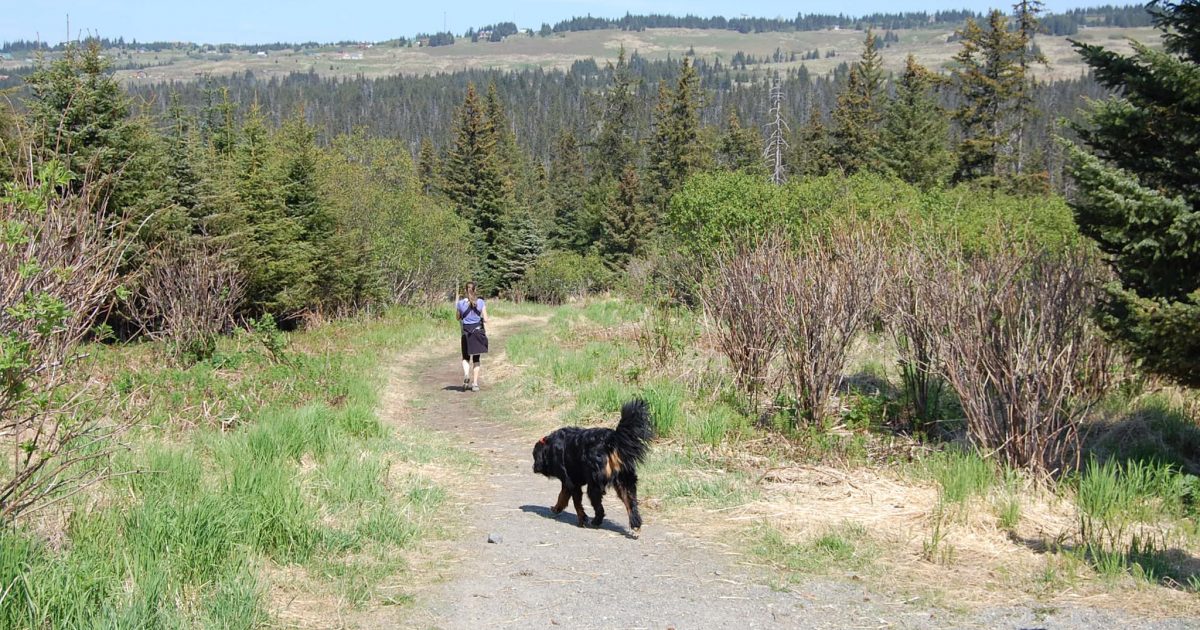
x,y
777,131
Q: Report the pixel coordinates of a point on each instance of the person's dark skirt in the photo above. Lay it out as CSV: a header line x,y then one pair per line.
x,y
474,342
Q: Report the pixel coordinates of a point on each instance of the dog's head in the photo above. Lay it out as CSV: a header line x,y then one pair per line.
x,y
542,456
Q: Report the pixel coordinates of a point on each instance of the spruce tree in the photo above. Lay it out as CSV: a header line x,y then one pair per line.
x,y
1026,14
613,146
859,113
675,150
515,173
268,243
518,247
567,181
810,153
1138,195
8,140
741,148
626,224
81,116
471,178
990,80
427,166
184,184
304,205
915,144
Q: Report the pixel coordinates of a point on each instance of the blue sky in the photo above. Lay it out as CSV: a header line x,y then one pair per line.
x,y
260,21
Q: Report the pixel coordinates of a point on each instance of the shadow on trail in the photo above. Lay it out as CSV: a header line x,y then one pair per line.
x,y
567,517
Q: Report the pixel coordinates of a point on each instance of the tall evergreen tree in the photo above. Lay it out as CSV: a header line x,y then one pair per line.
x,y
569,229
915,141
989,78
184,185
613,145
1026,13
8,139
741,148
219,121
269,244
472,178
1138,193
509,157
427,166
859,113
80,114
626,224
518,247
304,205
810,153
675,150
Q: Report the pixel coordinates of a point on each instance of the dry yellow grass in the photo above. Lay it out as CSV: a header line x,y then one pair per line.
x,y
930,46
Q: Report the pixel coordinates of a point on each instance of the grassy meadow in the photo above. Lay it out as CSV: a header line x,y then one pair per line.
x,y
931,47
249,484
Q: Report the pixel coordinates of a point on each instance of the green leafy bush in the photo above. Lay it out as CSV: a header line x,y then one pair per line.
x,y
559,276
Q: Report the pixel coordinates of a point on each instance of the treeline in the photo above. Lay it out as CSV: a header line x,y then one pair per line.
x,y
1066,23
541,102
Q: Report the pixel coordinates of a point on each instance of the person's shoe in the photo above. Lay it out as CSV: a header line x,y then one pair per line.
x,y
466,383
475,387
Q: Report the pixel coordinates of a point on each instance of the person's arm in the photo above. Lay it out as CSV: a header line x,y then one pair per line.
x,y
458,314
483,314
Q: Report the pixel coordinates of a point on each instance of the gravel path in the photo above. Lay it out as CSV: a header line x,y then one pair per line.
x,y
544,571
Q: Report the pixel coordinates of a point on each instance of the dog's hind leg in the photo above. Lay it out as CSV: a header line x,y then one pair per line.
x,y
563,496
577,498
596,493
626,486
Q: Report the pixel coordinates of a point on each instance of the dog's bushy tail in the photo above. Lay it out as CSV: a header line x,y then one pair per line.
x,y
633,432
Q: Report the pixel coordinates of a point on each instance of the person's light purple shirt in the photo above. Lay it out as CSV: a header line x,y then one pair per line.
x,y
470,316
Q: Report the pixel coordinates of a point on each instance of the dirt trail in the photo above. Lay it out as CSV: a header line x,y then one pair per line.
x,y
547,572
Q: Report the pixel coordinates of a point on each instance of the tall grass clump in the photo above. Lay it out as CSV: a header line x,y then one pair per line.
x,y
1116,503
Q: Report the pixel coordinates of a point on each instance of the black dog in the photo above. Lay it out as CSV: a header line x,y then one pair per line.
x,y
597,458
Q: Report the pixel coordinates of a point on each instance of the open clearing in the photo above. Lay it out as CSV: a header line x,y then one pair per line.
x,y
931,47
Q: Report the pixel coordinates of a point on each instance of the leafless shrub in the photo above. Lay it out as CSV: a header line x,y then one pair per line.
x,y
187,295
912,327
739,295
1014,338
59,258
827,294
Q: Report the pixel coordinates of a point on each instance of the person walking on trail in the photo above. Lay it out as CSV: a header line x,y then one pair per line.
x,y
472,314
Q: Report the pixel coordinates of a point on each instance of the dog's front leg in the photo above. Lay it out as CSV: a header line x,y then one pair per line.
x,y
563,496
577,498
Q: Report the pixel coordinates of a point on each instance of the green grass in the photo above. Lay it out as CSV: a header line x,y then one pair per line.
x,y
1114,498
846,547
960,474
239,462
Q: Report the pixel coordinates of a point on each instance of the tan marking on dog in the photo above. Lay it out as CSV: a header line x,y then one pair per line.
x,y
613,465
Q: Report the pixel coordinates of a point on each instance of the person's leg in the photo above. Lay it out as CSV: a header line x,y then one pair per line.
x,y
475,372
466,363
